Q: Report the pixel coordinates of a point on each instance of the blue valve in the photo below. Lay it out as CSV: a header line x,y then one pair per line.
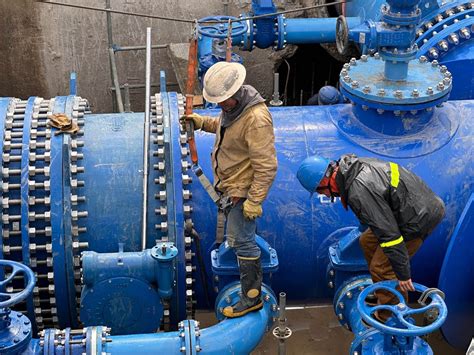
x,y
9,299
221,27
403,323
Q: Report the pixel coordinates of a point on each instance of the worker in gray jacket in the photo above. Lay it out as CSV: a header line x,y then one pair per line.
x,y
397,206
244,165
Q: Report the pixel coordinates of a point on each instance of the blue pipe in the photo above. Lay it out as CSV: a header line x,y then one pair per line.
x,y
314,30
231,336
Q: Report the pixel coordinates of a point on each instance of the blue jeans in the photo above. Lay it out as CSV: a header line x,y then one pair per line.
x,y
240,232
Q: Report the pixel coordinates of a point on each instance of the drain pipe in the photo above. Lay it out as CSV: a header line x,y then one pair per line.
x,y
276,91
282,332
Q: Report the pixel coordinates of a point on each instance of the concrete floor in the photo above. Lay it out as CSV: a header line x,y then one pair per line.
x,y
316,331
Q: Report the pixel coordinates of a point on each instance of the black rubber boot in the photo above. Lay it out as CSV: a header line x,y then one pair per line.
x,y
251,283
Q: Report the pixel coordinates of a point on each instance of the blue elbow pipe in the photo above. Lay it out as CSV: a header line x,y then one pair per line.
x,y
314,30
231,336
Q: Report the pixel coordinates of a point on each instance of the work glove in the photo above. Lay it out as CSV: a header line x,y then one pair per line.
x,y
63,123
252,210
198,120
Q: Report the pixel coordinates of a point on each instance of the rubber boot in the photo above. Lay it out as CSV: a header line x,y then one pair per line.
x,y
251,284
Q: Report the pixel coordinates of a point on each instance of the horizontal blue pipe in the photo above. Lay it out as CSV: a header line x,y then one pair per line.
x,y
231,336
314,30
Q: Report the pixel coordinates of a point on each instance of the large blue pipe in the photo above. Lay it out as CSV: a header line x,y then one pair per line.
x,y
295,225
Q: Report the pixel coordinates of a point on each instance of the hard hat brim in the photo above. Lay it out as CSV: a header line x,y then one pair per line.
x,y
239,81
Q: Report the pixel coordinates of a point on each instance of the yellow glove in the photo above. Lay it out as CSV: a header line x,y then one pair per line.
x,y
198,120
252,210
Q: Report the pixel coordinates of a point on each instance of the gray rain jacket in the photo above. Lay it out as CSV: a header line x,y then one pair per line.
x,y
395,203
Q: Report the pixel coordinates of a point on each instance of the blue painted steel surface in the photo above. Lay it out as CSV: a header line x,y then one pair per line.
x,y
73,84
113,181
129,305
176,199
313,30
346,259
165,253
457,281
61,239
123,290
345,300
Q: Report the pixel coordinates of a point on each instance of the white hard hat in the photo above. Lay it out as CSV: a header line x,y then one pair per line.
x,y
223,80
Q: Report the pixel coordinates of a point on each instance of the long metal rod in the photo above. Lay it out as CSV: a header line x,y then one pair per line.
x,y
113,66
141,86
166,18
146,134
139,48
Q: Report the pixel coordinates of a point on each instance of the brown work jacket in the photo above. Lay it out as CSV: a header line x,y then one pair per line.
x,y
243,158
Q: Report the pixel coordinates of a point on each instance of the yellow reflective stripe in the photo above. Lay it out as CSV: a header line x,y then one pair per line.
x,y
394,174
392,242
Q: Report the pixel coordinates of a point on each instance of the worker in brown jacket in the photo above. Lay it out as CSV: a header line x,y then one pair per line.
x,y
244,166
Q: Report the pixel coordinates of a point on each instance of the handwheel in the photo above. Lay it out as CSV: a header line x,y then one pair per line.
x,y
219,30
9,299
401,310
342,35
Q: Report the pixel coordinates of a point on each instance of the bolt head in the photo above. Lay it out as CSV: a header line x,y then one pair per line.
x,y
381,92
423,59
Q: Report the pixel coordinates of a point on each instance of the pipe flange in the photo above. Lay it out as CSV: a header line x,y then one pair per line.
x,y
280,33
346,296
435,44
400,19
230,295
427,84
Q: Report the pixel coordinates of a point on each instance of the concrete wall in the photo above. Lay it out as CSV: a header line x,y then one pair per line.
x,y
40,44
